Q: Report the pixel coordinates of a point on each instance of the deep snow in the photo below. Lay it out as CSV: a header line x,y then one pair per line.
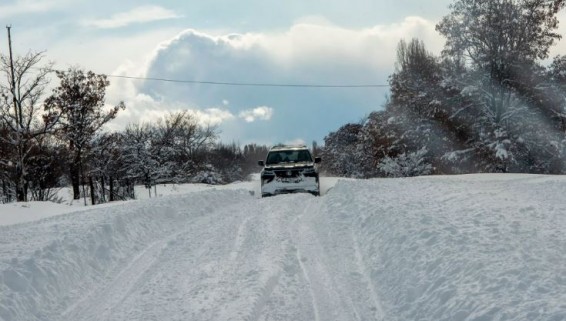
x,y
473,247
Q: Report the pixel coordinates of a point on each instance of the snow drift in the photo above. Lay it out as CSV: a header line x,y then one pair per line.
x,y
476,247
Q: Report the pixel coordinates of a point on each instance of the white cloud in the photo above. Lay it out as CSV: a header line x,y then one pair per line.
x,y
212,116
313,51
306,53
145,109
258,113
322,43
137,15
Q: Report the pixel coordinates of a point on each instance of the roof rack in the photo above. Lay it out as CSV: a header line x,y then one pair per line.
x,y
283,146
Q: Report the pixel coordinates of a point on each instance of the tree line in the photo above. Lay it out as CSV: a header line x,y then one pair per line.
x,y
59,140
493,101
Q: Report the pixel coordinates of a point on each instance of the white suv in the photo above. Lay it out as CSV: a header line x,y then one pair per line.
x,y
289,169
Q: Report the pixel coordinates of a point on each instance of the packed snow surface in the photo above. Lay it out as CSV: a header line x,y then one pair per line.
x,y
476,247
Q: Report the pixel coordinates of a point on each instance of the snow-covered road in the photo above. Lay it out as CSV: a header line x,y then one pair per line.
x,y
478,247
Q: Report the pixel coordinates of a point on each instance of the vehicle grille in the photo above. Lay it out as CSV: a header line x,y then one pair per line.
x,y
289,173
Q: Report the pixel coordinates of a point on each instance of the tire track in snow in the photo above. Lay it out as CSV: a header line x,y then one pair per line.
x,y
193,277
224,265
327,295
240,238
256,263
98,304
264,281
264,295
379,312
246,259
365,281
106,301
333,263
314,303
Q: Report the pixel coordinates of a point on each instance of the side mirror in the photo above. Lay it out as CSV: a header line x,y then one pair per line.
x,y
260,163
317,160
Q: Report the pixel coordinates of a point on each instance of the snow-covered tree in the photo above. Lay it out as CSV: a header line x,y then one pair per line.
x,y
339,151
141,162
415,86
499,37
500,43
107,166
79,103
228,160
418,112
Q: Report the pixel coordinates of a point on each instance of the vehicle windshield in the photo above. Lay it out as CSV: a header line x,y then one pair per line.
x,y
288,156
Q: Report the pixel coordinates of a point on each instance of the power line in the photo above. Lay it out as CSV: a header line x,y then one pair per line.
x,y
244,84
240,84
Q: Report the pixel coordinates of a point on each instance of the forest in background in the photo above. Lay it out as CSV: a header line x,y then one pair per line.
x,y
493,101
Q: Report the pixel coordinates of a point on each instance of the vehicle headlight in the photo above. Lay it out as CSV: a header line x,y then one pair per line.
x,y
267,173
267,176
309,171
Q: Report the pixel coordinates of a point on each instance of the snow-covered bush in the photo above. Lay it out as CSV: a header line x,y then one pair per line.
x,y
406,164
209,175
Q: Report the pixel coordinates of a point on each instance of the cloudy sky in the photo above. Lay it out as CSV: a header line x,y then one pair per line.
x,y
203,43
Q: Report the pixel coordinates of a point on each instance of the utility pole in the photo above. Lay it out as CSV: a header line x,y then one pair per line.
x,y
21,189
17,109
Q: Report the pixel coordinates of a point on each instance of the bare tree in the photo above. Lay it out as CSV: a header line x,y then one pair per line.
x,y
21,113
182,140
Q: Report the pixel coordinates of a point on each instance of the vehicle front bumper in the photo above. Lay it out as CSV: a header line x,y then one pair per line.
x,y
301,184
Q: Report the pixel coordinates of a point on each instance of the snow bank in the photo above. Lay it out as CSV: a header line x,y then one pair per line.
x,y
49,264
471,247
15,213
477,247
